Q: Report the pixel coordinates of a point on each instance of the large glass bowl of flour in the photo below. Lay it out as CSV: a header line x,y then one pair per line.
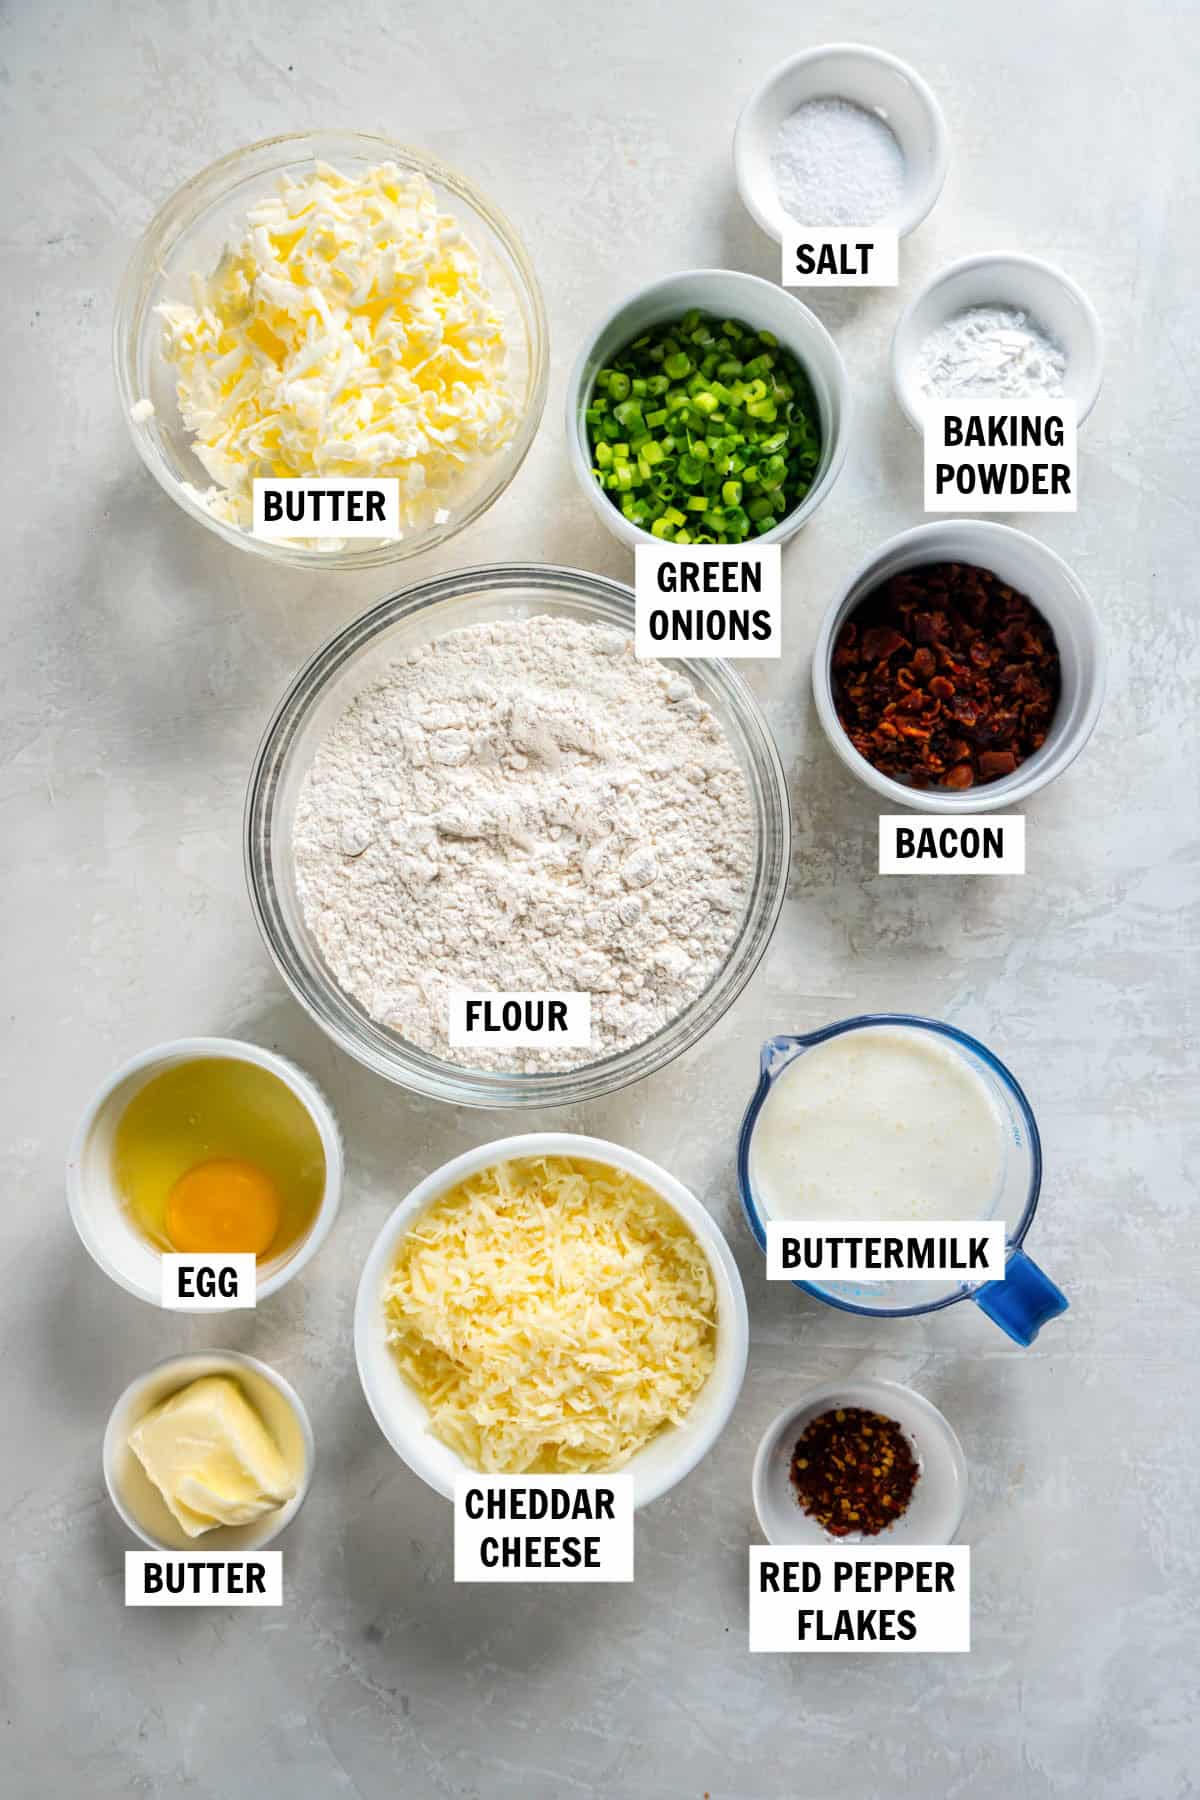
x,y
351,665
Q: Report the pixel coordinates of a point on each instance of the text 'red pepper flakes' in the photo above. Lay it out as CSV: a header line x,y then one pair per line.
x,y
946,677
853,1471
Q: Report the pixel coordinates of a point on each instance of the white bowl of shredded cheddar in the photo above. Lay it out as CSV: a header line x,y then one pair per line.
x,y
551,1304
331,305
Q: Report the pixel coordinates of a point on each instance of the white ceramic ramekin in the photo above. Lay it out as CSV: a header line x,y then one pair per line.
x,y
399,1411
728,294
1051,300
1034,570
939,1499
135,1496
869,78
98,1212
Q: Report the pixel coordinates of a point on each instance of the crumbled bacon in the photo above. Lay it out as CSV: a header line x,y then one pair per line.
x,y
946,677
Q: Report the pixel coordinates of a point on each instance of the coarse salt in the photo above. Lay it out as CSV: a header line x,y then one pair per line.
x,y
835,163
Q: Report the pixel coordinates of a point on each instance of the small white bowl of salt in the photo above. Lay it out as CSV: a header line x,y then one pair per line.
x,y
842,135
998,327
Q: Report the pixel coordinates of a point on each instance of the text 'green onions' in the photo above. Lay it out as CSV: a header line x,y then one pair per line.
x,y
704,431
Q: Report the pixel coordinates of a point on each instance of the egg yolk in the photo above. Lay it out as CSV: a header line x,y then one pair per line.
x,y
224,1207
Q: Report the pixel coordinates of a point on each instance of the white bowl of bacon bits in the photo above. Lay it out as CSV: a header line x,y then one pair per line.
x,y
961,668
551,1304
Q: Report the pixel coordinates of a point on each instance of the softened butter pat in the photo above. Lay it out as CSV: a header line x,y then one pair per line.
x,y
211,1457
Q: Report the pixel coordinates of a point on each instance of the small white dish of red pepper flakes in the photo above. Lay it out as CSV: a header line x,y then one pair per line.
x,y
937,1498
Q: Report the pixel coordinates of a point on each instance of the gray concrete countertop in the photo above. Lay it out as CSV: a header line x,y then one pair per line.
x,y
141,658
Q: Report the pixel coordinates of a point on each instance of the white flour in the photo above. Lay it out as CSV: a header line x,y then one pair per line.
x,y
992,350
524,807
835,163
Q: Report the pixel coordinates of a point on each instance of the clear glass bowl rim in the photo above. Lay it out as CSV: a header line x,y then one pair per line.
x,y
173,219
403,1063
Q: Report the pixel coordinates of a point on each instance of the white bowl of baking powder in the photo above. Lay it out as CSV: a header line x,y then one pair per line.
x,y
885,88
1053,306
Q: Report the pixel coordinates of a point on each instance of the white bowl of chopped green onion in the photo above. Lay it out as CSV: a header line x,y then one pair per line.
x,y
709,408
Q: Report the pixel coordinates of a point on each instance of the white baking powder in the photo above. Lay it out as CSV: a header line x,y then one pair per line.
x,y
524,807
835,163
996,350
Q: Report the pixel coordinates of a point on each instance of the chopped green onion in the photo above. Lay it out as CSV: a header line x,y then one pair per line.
x,y
704,431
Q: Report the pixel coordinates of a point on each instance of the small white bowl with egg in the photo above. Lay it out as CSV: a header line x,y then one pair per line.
x,y
134,1494
871,79
401,1413
939,1499
98,1210
1050,301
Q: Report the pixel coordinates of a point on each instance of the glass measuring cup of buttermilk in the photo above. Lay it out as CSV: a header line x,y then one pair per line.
x,y
900,1119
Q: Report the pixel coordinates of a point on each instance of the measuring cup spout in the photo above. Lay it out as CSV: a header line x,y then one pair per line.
x,y
1023,1301
778,1051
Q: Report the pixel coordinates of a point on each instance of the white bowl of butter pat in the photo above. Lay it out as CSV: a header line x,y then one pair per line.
x,y
139,1501
400,1412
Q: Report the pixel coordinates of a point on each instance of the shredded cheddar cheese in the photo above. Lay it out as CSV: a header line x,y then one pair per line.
x,y
554,1314
351,332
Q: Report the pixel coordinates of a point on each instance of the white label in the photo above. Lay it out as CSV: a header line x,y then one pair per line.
x,y
209,1283
199,1578
832,256
952,844
543,1527
912,1597
706,600
881,1250
1000,456
335,506
520,1021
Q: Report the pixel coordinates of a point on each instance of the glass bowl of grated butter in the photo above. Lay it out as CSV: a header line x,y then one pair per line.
x,y
331,304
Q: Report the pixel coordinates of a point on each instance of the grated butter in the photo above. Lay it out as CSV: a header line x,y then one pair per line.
x,y
350,332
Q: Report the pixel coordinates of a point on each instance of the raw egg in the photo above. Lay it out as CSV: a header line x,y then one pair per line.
x,y
219,1157
224,1207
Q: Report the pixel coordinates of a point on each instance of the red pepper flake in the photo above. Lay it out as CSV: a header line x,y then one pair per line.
x,y
969,663
853,1471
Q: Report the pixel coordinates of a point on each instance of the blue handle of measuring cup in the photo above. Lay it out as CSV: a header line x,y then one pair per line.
x,y
1023,1301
